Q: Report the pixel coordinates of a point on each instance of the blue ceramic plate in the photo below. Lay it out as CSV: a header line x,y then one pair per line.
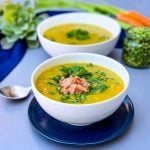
x,y
97,133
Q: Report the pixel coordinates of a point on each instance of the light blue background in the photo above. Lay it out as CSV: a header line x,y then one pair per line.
x,y
16,132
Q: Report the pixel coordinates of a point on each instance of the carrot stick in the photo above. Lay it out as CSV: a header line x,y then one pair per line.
x,y
124,17
139,17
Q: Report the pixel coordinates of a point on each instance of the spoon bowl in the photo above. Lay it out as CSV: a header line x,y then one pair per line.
x,y
15,92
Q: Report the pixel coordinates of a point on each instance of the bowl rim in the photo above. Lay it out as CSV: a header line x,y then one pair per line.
x,y
80,105
79,45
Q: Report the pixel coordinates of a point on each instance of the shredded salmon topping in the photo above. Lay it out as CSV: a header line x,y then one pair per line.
x,y
73,85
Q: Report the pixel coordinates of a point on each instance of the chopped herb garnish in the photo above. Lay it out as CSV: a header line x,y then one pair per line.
x,y
78,34
51,92
101,73
65,98
93,80
52,39
79,98
58,88
97,82
50,83
56,78
90,65
76,71
98,88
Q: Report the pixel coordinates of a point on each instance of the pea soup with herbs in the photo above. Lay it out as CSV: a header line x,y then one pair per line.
x,y
77,34
79,83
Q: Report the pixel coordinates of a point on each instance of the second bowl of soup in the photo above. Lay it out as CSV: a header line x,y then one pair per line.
x,y
78,32
80,88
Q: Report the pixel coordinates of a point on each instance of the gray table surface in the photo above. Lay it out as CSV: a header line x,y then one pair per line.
x,y
16,132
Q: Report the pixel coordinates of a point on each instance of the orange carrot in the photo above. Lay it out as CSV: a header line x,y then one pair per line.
x,y
124,17
139,17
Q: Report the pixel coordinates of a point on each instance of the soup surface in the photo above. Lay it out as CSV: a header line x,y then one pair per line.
x,y
77,34
79,83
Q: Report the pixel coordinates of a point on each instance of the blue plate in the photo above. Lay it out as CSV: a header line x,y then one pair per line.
x,y
97,133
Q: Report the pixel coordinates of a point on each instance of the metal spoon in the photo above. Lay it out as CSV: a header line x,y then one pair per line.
x,y
15,92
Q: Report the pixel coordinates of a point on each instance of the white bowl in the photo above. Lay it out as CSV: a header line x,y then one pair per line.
x,y
81,114
103,48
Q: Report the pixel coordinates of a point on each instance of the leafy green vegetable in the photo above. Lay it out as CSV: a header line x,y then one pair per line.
x,y
76,71
78,34
19,25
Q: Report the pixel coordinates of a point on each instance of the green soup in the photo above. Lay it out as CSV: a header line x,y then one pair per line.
x,y
77,34
103,83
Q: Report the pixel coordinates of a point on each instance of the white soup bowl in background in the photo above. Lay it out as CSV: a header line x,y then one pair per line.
x,y
55,48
